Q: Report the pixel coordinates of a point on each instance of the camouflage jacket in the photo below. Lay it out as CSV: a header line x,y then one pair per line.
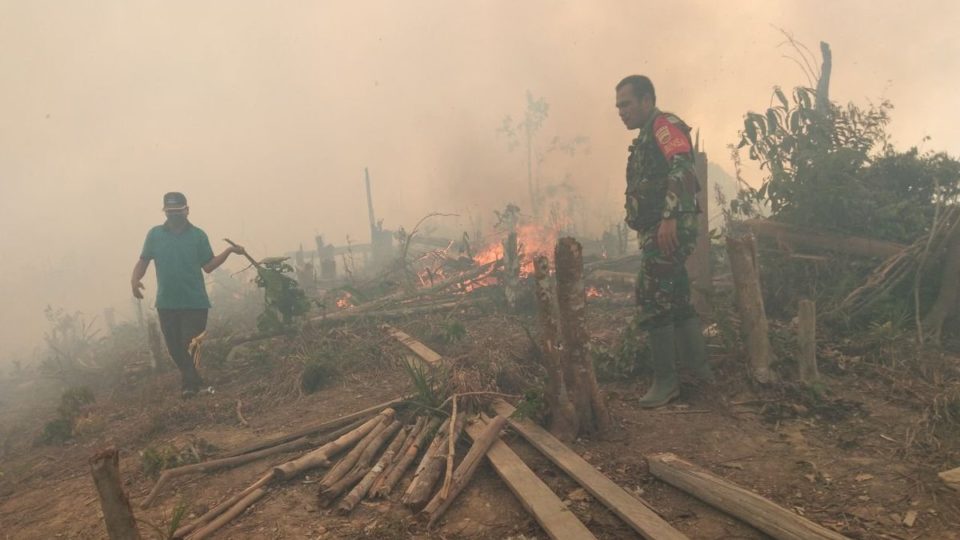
x,y
661,181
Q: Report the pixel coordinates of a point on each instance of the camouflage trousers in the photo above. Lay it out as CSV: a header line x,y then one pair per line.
x,y
663,286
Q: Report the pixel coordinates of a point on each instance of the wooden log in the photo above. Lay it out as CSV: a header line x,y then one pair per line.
x,y
420,490
790,236
316,428
951,478
807,338
407,458
562,416
322,455
625,505
353,457
536,498
363,465
441,501
224,506
117,514
228,516
222,463
414,432
763,514
742,253
579,375
360,490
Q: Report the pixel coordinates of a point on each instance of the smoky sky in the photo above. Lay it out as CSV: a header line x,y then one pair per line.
x,y
265,113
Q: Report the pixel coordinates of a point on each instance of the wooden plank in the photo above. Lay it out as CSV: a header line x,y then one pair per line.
x,y
762,513
427,354
951,477
553,516
628,507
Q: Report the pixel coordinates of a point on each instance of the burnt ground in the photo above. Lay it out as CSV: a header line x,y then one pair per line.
x,y
851,459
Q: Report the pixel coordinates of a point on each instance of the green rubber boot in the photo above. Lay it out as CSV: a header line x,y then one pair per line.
x,y
662,350
693,349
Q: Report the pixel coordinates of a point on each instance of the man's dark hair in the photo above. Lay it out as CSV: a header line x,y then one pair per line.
x,y
641,86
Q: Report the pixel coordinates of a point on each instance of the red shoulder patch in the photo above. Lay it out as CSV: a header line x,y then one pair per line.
x,y
671,139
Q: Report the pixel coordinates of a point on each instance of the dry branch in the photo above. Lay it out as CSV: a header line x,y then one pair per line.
x,y
322,455
117,514
441,501
362,466
224,506
431,468
360,490
406,458
233,512
298,444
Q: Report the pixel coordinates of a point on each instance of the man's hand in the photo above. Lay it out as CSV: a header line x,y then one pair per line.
x,y
667,236
237,249
137,287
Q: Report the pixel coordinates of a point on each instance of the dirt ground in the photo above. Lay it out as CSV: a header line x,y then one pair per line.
x,y
843,465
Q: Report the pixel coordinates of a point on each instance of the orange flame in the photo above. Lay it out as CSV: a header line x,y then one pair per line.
x,y
532,240
345,301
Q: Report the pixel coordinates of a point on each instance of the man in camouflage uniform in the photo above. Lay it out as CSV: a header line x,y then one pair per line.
x,y
662,207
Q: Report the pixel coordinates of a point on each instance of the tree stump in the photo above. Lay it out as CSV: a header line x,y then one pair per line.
x,y
807,338
742,253
105,468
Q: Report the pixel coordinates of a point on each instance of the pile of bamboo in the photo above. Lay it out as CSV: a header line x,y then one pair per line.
x,y
365,459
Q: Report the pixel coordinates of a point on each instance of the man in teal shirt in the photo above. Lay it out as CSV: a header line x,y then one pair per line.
x,y
180,251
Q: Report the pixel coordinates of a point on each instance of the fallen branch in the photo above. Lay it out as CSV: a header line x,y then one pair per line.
x,y
360,490
451,450
406,458
362,466
117,514
322,455
234,461
224,506
233,512
418,494
441,502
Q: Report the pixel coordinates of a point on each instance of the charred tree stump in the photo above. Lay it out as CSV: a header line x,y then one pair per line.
x,y
117,514
742,253
807,336
579,376
562,418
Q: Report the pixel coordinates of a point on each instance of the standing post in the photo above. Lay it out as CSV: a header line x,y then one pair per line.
x,y
105,468
807,336
742,253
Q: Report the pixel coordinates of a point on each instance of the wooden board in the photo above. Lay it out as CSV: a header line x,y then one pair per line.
x,y
951,477
762,513
629,508
427,354
553,516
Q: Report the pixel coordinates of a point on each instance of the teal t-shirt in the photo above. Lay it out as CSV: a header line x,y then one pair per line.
x,y
179,259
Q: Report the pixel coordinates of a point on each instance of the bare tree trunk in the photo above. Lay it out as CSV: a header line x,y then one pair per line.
x,y
511,269
105,468
742,253
562,417
579,376
822,104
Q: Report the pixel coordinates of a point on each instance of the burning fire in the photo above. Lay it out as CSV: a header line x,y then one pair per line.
x,y
593,292
532,240
345,301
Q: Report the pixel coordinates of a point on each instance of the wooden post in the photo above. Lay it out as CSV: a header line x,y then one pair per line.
x,y
762,513
511,269
698,263
105,468
742,252
579,376
807,336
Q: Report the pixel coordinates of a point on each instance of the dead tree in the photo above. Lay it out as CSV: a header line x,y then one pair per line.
x,y
562,420
511,269
579,376
105,468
